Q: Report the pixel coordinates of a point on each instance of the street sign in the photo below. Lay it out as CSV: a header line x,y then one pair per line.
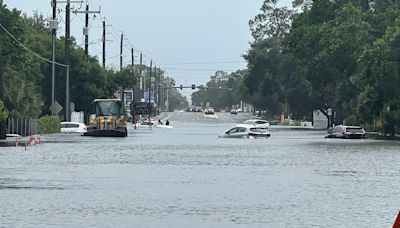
x,y
72,106
329,111
320,121
56,107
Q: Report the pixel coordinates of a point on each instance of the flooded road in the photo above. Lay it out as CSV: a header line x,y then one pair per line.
x,y
188,177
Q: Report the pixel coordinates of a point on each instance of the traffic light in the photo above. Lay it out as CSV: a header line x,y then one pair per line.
x,y
193,86
181,87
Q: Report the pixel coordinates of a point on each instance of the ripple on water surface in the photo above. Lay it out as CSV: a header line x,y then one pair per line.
x,y
187,176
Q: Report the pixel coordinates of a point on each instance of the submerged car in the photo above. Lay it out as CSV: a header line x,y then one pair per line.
x,y
258,123
209,111
73,127
246,131
347,132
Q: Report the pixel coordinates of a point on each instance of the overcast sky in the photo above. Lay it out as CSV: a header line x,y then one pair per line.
x,y
189,39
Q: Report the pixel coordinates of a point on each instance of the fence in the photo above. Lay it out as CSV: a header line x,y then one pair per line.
x,y
22,126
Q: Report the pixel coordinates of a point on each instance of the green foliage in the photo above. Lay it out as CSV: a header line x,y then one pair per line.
x,y
339,54
27,79
274,21
221,91
3,111
177,101
275,81
125,78
49,125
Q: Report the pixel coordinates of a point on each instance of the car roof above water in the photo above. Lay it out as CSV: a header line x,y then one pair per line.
x,y
255,120
349,126
247,125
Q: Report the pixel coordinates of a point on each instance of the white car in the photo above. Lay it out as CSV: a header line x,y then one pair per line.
x,y
246,131
258,123
209,111
73,127
347,132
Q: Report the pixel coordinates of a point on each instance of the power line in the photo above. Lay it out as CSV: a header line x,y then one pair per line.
x,y
193,69
29,50
203,63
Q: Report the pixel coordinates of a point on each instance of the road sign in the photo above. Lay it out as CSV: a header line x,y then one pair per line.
x,y
320,121
329,111
56,107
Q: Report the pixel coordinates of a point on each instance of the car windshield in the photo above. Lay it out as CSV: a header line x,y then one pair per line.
x,y
233,130
105,108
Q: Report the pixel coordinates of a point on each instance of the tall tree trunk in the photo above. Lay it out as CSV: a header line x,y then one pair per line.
x,y
2,122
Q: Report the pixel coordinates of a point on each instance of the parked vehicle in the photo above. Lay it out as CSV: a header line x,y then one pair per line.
x,y
73,127
246,131
258,123
233,111
347,132
194,109
209,111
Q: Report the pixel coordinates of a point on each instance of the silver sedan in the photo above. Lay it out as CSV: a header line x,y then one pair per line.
x,y
246,131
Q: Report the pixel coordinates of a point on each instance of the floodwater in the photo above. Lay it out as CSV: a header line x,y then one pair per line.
x,y
188,177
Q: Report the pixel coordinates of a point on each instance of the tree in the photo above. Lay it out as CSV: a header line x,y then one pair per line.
x,y
28,78
221,91
176,100
3,111
273,21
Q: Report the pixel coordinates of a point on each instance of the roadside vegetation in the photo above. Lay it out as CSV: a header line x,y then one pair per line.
x,y
322,54
319,54
49,125
27,79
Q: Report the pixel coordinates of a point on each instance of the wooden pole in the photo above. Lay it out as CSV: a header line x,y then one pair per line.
x,y
2,122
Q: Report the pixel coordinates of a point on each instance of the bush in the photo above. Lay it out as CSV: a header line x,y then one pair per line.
x,y
3,111
49,125
351,120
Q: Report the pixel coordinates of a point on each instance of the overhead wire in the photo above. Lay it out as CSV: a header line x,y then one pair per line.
x,y
202,63
29,50
115,33
194,69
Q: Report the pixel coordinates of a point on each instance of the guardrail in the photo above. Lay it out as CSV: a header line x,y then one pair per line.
x,y
22,126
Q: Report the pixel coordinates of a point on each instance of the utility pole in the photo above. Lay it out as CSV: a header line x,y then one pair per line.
x,y
120,69
141,76
156,92
134,90
135,87
167,100
121,51
151,65
67,61
153,84
2,122
104,43
159,91
133,59
86,28
53,26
